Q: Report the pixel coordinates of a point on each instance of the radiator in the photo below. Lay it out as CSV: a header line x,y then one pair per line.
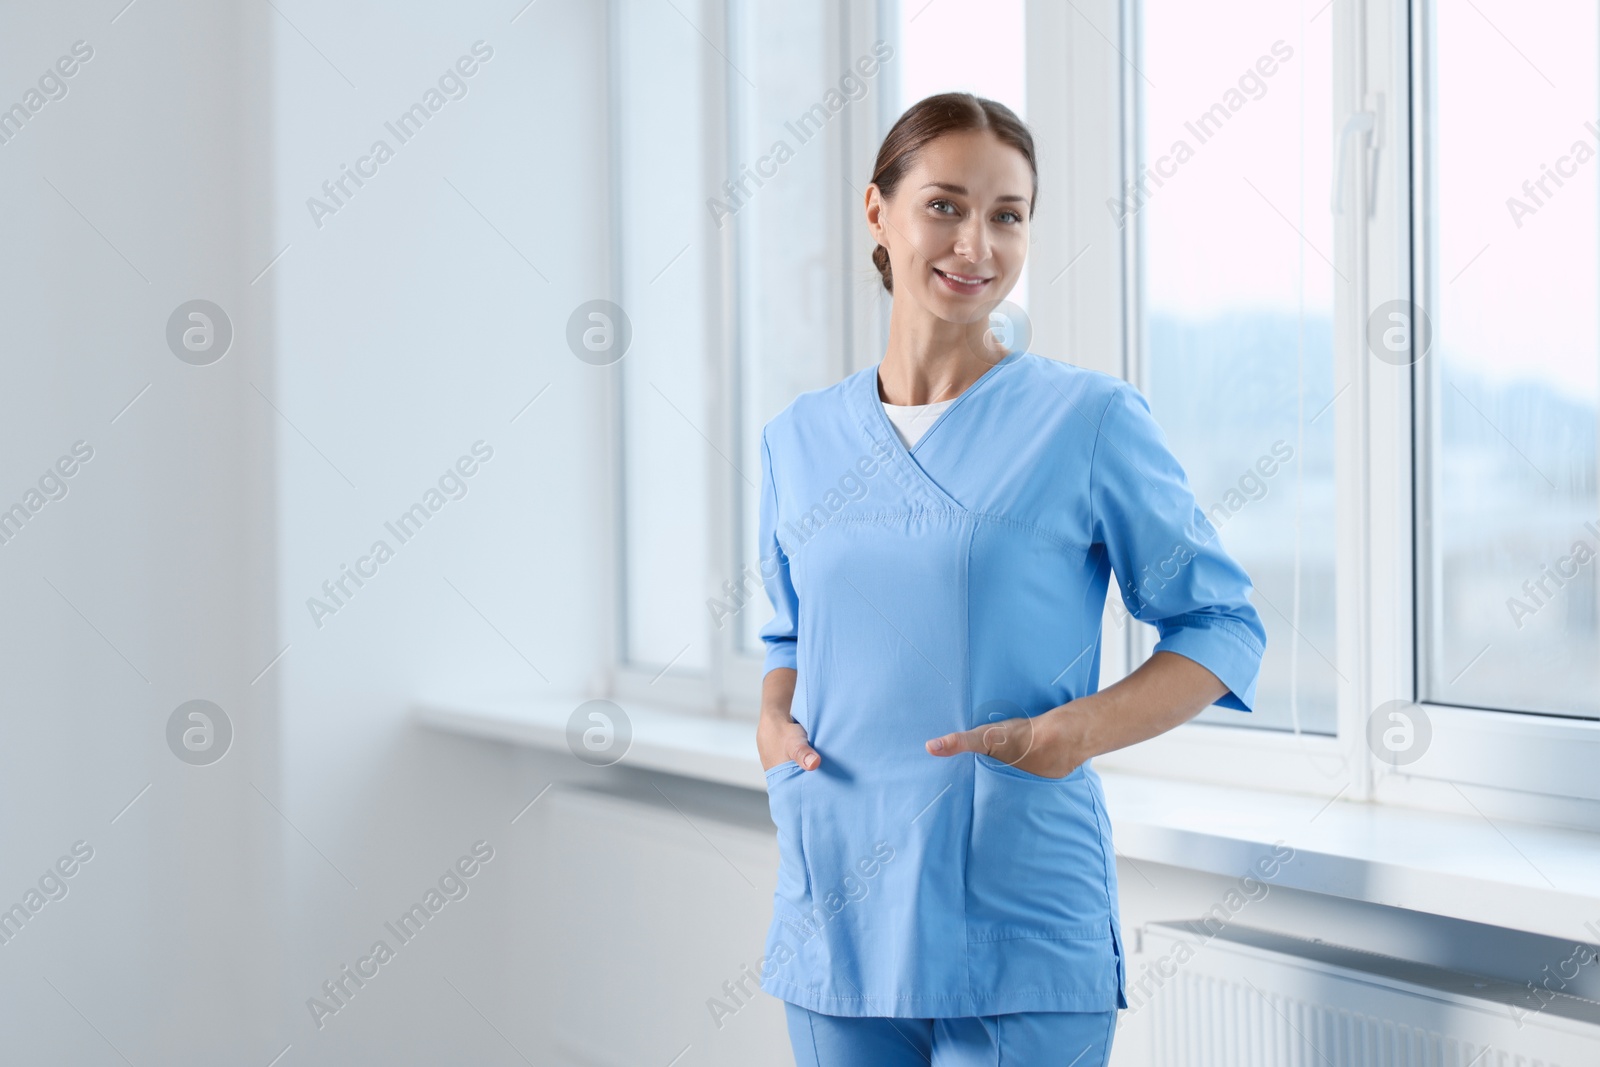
x,y
1238,997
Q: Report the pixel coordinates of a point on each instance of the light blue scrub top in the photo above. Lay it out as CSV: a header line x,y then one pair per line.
x,y
925,591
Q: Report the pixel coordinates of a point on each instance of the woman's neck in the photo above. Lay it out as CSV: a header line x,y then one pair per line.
x,y
930,361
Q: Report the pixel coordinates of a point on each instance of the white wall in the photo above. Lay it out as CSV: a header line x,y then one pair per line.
x,y
178,564
149,583
419,319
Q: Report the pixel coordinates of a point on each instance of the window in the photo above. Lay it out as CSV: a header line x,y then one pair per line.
x,y
1350,252
664,254
1440,518
745,137
969,46
1235,339
1509,545
787,265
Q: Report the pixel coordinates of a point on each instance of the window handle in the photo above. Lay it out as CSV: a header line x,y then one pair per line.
x,y
1363,123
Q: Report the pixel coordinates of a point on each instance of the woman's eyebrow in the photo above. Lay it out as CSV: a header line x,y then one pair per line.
x,y
961,190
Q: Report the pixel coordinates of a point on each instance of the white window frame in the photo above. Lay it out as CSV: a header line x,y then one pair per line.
x,y
1516,765
629,680
1545,764
1085,308
731,686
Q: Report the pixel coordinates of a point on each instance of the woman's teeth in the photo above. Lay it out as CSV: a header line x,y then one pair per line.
x,y
960,279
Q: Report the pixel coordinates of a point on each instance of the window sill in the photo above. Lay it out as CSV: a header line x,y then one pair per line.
x,y
1543,880
711,749
1539,879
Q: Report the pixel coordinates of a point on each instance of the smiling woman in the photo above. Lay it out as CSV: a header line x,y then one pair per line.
x,y
939,689
943,204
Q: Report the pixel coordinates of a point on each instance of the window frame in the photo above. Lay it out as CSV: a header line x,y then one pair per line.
x,y
1109,144
1086,310
628,679
731,686
1538,757
1517,765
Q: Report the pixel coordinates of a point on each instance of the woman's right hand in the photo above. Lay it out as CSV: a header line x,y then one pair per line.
x,y
783,739
778,736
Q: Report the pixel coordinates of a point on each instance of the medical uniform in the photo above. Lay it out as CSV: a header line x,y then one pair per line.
x,y
959,582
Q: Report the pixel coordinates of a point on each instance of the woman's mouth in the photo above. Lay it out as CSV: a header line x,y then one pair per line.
x,y
965,284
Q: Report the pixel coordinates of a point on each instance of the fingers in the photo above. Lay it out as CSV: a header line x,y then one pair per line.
x,y
805,755
800,750
1009,740
989,740
950,744
786,739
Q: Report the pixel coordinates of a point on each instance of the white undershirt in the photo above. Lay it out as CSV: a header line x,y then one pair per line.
x,y
911,421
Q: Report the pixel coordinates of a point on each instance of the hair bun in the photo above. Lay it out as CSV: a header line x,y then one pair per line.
x,y
880,259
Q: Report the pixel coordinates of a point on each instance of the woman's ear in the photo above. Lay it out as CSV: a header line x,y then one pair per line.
x,y
873,201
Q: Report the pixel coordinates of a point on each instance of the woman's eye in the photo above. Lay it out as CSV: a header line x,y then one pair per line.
x,y
939,207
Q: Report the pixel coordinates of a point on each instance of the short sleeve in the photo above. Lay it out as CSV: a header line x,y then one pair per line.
x,y
1166,555
780,634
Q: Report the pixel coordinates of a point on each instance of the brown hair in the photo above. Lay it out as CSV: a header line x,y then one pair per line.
x,y
935,116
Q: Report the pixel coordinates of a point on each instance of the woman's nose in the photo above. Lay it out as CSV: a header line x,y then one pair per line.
x,y
972,240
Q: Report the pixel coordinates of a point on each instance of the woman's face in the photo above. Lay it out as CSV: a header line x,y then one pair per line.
x,y
957,226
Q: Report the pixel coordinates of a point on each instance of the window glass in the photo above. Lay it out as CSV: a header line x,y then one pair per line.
x,y
973,46
1231,203
1511,530
664,245
791,93
791,289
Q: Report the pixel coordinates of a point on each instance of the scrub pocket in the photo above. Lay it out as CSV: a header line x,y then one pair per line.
x,y
783,802
1036,866
1039,917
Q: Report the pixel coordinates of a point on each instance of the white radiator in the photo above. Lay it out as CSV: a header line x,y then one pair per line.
x,y
1248,998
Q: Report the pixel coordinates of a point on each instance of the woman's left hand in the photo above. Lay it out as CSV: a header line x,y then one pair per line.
x,y
1040,745
1167,689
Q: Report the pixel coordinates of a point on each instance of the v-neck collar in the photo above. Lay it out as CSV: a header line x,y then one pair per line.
x,y
876,421
955,402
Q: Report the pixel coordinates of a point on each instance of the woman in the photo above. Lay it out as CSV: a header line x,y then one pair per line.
x,y
947,888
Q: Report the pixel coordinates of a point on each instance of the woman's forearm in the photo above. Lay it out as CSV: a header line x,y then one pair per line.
x,y
1167,690
777,693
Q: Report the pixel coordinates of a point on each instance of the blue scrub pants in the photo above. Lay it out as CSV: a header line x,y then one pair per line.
x,y
1023,1039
